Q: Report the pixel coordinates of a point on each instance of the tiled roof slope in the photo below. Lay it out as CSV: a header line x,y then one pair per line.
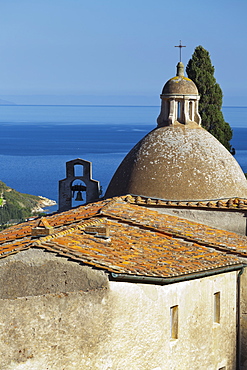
x,y
140,241
180,227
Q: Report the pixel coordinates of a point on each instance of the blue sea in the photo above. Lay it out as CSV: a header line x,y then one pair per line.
x,y
36,141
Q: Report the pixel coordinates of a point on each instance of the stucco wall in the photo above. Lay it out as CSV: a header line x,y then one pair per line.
x,y
36,272
118,326
55,331
142,326
234,221
243,320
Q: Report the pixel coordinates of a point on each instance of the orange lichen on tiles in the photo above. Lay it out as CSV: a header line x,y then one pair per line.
x,y
139,240
177,226
151,248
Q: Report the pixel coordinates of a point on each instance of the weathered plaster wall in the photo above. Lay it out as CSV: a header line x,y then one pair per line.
x,y
56,331
243,320
141,328
223,220
36,272
51,312
117,326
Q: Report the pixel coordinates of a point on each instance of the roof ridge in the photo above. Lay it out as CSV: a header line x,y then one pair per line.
x,y
232,203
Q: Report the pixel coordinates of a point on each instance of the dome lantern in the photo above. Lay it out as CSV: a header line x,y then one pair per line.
x,y
180,100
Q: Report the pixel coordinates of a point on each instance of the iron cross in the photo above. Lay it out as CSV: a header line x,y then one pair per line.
x,y
180,46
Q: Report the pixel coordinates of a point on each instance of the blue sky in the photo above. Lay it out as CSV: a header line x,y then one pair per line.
x,y
116,51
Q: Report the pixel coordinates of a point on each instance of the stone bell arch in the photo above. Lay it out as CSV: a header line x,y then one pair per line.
x,y
66,187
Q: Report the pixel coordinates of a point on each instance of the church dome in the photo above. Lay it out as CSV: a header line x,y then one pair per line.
x,y
179,160
179,163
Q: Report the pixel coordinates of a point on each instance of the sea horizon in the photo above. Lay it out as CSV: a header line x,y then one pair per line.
x,y
102,105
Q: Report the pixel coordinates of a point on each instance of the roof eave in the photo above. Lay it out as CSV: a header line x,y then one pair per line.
x,y
175,279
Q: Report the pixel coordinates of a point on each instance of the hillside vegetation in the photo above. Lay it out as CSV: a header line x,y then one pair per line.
x,y
15,206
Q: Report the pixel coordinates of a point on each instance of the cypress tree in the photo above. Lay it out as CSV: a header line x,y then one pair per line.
x,y
200,70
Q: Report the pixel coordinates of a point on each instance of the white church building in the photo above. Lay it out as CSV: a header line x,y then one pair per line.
x,y
150,277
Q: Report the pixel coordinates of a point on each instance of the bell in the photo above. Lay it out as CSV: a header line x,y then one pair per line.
x,y
78,196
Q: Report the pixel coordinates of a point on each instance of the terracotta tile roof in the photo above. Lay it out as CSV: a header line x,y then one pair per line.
x,y
136,250
140,241
180,227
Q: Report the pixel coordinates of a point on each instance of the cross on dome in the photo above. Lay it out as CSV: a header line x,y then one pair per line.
x,y
180,46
